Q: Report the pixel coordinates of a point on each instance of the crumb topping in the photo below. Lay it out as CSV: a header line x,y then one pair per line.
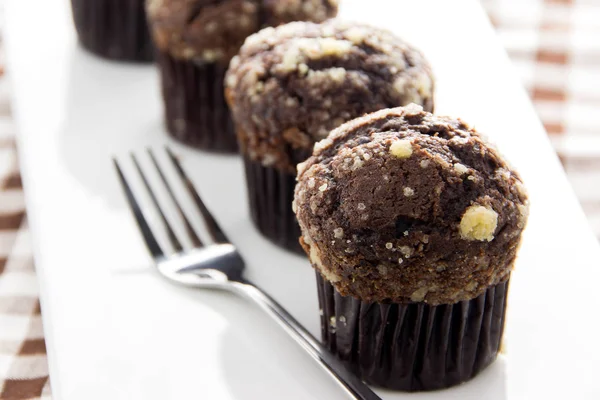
x,y
460,169
401,148
479,223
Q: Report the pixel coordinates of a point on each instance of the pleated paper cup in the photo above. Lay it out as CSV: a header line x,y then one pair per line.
x,y
195,109
413,347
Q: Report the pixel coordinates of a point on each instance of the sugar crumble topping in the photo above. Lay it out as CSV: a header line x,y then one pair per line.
x,y
357,35
479,223
316,261
460,168
406,251
471,286
401,148
412,110
303,50
419,294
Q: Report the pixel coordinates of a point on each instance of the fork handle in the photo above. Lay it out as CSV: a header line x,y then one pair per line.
x,y
330,363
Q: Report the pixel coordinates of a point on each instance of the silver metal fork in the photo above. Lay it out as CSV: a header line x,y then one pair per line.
x,y
220,266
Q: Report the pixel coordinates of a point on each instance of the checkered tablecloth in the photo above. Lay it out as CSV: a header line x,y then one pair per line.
x,y
555,48
23,365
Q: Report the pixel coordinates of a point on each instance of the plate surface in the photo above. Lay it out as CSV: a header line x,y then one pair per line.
x,y
115,330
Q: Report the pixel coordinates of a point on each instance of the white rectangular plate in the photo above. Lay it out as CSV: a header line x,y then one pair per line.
x,y
115,330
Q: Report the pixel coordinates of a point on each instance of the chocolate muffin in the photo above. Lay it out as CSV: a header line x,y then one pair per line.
x,y
412,222
113,29
196,39
291,85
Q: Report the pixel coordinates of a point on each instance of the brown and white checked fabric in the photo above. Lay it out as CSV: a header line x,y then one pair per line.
x,y
555,47
23,364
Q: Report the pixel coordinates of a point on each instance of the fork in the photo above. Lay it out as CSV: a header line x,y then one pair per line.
x,y
220,266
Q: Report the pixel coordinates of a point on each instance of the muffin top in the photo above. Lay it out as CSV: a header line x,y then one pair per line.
x,y
404,206
214,30
291,85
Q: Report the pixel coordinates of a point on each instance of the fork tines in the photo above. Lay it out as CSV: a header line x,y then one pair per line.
x,y
215,232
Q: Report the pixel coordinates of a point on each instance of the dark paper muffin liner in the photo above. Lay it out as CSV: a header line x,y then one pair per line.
x,y
195,108
413,347
270,193
114,29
